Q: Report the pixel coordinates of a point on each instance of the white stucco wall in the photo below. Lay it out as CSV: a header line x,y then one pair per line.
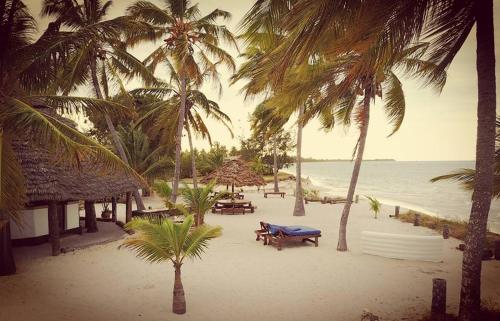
x,y
34,223
72,216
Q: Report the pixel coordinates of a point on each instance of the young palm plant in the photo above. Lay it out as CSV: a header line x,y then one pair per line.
x,y
200,200
191,42
160,240
374,205
163,190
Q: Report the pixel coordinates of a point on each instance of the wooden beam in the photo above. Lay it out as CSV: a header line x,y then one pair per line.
x,y
90,217
128,207
7,263
54,233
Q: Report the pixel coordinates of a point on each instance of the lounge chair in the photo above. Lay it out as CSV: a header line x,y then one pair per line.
x,y
277,234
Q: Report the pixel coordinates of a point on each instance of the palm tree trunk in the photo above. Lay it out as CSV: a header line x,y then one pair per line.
x,y
178,139
193,160
298,209
275,168
342,243
7,263
470,294
114,133
179,301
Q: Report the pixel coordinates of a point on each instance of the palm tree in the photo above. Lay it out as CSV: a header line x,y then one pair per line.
x,y
263,33
260,124
200,200
100,60
190,41
161,240
447,25
466,176
28,71
198,107
147,160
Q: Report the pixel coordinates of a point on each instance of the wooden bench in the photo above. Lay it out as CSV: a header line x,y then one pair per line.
x,y
402,246
282,194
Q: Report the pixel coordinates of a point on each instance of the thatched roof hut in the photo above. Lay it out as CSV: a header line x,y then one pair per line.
x,y
235,172
47,179
55,186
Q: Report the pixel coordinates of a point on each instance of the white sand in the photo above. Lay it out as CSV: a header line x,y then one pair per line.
x,y
240,279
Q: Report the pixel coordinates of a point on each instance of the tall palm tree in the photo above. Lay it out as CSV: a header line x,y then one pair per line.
x,y
100,60
447,24
191,41
198,107
352,81
260,122
263,33
161,240
28,70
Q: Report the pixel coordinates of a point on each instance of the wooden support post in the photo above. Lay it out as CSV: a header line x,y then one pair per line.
x,y
90,217
53,216
438,307
396,211
497,250
7,263
113,209
356,200
417,220
446,231
128,208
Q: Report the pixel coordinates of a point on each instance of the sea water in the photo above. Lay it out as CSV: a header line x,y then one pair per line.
x,y
404,183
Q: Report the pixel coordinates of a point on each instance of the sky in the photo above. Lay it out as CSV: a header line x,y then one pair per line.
x,y
436,126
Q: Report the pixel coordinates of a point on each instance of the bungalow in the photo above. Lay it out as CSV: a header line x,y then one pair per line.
x,y
54,190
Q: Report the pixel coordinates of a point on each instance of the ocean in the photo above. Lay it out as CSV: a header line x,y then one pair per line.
x,y
404,183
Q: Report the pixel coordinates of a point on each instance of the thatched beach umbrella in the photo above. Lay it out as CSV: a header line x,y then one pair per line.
x,y
234,172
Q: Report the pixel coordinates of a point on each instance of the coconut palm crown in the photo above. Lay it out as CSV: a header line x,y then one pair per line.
x,y
159,240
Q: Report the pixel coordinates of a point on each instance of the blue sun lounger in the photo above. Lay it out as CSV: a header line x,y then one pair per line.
x,y
271,233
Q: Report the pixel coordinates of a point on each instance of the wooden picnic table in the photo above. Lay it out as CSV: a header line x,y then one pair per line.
x,y
233,206
236,195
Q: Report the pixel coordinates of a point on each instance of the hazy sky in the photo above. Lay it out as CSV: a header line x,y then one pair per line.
x,y
436,127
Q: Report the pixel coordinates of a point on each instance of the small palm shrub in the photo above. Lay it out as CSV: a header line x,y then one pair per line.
x,y
163,189
375,205
200,200
159,240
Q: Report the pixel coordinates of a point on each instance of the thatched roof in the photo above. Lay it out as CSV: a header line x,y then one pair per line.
x,y
234,171
46,179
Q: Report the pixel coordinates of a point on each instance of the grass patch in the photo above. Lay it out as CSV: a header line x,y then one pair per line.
x,y
281,177
458,229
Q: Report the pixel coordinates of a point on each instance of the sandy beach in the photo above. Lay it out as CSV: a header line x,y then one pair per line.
x,y
239,278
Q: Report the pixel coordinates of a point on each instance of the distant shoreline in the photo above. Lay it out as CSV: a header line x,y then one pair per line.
x,y
313,160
